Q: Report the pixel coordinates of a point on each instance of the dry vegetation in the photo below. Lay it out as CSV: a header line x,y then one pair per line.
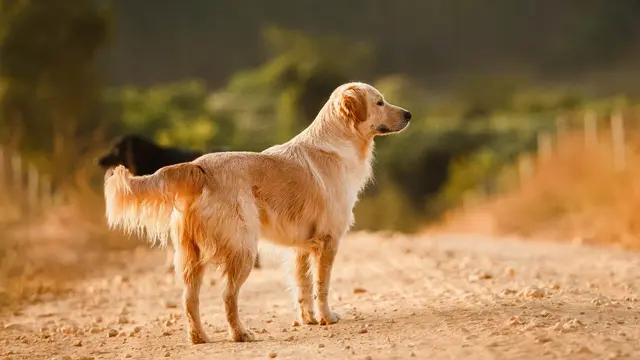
x,y
45,254
574,194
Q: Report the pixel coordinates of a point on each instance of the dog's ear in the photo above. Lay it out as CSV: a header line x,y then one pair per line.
x,y
353,104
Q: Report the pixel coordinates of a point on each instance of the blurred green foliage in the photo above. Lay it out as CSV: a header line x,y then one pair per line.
x,y
49,84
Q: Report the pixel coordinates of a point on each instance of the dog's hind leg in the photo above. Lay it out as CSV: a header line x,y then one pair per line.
x,y
168,264
238,265
189,267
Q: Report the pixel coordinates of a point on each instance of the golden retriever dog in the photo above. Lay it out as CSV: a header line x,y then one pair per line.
x,y
299,194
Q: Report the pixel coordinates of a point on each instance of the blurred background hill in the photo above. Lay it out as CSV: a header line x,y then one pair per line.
x,y
486,82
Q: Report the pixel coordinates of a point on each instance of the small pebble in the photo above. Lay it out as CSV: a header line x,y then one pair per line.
x,y
515,320
576,322
509,271
542,339
168,304
583,350
112,333
480,275
272,355
531,292
69,330
320,346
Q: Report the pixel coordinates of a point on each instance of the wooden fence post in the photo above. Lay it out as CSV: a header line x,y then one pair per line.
x,y
561,128
617,138
32,190
545,145
16,172
3,170
525,169
46,194
590,129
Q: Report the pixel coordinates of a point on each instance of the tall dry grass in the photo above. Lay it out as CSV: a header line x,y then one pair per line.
x,y
48,252
574,194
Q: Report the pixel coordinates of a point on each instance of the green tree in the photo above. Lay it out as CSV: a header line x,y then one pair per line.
x,y
284,95
174,114
50,86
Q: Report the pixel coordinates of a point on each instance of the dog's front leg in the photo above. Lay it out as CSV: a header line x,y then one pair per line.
x,y
325,257
303,289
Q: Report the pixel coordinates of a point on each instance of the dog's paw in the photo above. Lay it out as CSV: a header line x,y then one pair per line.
x,y
304,317
305,321
195,338
245,335
330,318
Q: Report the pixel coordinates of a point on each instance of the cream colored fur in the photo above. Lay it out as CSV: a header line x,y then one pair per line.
x,y
298,194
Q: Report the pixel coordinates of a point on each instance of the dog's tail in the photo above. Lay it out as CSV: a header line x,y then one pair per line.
x,y
139,203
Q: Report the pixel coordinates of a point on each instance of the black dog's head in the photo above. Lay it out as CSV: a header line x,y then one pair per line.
x,y
123,152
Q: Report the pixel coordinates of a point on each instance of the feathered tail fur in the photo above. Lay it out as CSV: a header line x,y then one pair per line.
x,y
146,203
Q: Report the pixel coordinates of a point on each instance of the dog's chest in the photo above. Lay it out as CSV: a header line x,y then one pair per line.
x,y
326,210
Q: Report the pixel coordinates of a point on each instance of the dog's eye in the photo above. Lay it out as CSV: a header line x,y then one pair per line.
x,y
380,103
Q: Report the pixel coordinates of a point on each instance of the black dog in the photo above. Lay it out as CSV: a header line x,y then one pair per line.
x,y
144,157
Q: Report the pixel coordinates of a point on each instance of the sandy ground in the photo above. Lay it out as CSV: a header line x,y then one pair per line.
x,y
441,297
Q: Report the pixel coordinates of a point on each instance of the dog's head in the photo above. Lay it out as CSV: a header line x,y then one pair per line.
x,y
122,152
365,110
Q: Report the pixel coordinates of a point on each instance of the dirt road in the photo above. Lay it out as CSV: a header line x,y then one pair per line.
x,y
399,297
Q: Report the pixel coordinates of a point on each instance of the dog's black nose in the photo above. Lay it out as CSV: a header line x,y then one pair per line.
x,y
407,115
